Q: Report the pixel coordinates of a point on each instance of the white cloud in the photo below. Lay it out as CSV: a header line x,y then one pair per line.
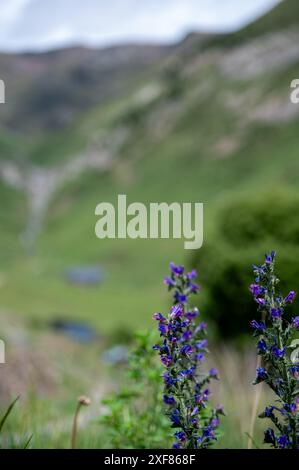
x,y
40,24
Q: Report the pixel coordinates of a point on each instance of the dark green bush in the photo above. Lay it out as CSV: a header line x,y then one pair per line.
x,y
246,229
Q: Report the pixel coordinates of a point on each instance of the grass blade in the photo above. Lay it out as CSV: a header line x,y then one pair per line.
x,y
7,413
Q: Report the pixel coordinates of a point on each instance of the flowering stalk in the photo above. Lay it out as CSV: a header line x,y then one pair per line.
x,y
280,367
182,350
82,401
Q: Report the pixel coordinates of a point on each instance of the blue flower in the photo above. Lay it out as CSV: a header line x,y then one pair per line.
x,y
180,435
192,274
283,441
260,300
269,436
278,353
261,373
295,322
294,370
200,356
257,290
169,281
269,411
166,360
176,417
181,351
178,297
169,400
209,432
259,326
270,258
201,327
215,423
159,317
193,287
177,311
186,350
192,314
176,445
213,373
203,344
168,380
262,346
275,313
290,297
177,270
163,329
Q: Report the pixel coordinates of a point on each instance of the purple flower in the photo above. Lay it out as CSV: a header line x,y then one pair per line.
x,y
180,435
269,411
176,445
166,360
187,335
290,297
283,441
278,353
163,329
203,344
290,408
256,290
176,417
269,436
213,373
261,373
200,356
294,370
177,270
260,300
259,326
169,400
159,317
192,314
295,322
188,373
275,313
262,346
186,350
270,258
168,379
192,274
180,297
181,351
215,423
177,311
169,282
194,287
201,327
209,432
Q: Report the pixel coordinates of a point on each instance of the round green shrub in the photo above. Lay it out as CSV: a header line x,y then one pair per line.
x,y
245,230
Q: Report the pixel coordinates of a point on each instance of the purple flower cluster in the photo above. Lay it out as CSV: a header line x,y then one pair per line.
x,y
279,369
182,350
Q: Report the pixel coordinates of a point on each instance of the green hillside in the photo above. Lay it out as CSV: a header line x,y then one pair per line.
x,y
196,128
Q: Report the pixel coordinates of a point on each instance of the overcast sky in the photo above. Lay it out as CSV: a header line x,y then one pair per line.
x,y
46,24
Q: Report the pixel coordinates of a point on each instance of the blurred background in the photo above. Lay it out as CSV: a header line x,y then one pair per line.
x,y
162,101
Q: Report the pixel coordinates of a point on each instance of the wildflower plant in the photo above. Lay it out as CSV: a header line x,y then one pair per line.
x,y
279,362
182,350
134,416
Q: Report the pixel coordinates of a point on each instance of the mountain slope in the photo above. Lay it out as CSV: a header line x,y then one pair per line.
x,y
206,123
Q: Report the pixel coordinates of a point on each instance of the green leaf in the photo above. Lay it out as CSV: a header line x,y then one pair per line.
x,y
7,413
294,344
